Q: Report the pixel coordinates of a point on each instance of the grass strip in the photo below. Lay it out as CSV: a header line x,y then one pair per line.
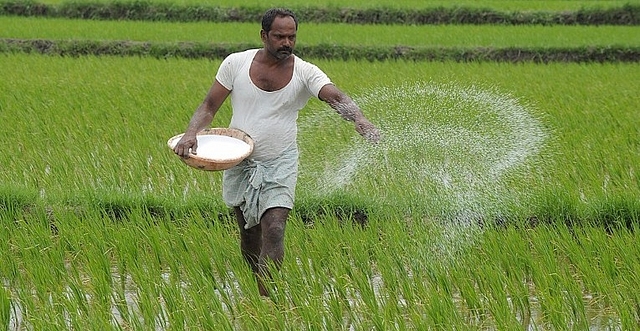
x,y
140,10
193,50
327,33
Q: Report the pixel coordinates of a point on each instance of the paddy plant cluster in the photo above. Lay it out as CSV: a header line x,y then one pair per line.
x,y
96,129
392,274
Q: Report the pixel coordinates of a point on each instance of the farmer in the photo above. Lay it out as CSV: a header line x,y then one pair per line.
x,y
268,86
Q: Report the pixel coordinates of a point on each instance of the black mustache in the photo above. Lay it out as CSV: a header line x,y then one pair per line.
x,y
285,49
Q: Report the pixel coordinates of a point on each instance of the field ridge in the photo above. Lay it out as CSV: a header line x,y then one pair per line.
x,y
141,10
195,50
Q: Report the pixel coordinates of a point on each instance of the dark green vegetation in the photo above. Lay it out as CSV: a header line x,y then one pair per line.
x,y
191,50
140,10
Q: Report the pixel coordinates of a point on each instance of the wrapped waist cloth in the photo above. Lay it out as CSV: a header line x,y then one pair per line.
x,y
256,186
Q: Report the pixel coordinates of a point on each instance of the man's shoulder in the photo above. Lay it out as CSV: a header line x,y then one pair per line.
x,y
236,61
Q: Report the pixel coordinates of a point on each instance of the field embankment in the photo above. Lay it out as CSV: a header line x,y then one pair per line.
x,y
75,48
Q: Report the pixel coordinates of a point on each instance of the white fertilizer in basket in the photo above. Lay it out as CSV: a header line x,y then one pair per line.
x,y
221,148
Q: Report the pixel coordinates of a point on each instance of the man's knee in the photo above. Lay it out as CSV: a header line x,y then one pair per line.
x,y
275,216
273,223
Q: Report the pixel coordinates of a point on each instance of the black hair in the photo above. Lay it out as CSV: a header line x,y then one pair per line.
x,y
271,14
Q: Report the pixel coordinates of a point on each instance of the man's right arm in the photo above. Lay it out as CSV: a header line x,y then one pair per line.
x,y
202,117
349,110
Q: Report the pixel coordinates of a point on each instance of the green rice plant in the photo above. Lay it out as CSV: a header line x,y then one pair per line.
x,y
116,177
5,308
497,36
16,200
572,284
504,269
336,274
612,262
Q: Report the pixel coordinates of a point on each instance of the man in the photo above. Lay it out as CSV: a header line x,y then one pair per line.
x,y
268,87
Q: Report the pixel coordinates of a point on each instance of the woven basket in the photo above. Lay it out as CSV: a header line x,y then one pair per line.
x,y
202,163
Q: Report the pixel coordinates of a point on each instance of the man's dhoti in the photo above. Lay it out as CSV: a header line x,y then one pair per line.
x,y
256,186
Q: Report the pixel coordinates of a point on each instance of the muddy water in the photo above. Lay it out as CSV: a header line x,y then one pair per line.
x,y
599,319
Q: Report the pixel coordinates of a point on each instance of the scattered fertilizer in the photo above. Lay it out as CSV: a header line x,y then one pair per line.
x,y
451,147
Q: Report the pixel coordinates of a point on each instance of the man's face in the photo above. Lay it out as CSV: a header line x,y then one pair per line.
x,y
280,41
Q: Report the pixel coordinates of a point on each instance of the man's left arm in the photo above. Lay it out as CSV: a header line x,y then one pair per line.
x,y
349,110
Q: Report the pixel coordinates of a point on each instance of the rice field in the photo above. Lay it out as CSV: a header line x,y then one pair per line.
x,y
314,34
559,108
502,196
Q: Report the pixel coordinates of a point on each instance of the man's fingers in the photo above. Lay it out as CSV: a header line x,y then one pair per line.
x,y
183,147
177,149
193,147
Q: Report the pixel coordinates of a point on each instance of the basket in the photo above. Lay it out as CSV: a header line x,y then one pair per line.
x,y
218,148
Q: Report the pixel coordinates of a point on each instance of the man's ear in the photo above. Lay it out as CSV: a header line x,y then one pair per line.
x,y
263,35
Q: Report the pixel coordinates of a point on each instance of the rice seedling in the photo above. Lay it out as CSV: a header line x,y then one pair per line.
x,y
388,274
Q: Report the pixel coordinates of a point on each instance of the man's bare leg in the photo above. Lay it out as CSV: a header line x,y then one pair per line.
x,y
273,224
250,241
264,243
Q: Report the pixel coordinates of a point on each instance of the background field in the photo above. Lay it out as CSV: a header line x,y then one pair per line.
x,y
314,34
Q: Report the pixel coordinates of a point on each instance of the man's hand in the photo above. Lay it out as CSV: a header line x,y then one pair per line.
x,y
367,130
188,144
